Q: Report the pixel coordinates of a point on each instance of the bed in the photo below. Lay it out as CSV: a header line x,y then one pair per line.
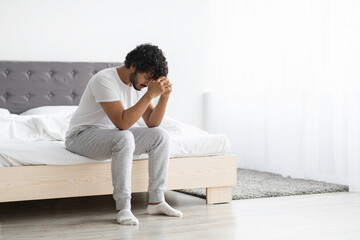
x,y
41,168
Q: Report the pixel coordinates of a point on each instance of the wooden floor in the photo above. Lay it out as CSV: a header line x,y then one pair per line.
x,y
318,216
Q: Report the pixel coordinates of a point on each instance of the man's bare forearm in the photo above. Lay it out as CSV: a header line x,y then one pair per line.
x,y
158,112
133,114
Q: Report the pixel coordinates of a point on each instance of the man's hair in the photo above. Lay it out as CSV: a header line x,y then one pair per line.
x,y
148,58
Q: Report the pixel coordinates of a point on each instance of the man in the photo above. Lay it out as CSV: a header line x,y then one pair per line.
x,y
101,128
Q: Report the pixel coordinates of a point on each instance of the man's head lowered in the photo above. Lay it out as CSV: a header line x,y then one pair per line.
x,y
146,62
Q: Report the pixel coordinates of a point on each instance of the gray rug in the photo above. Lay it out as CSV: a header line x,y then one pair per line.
x,y
255,184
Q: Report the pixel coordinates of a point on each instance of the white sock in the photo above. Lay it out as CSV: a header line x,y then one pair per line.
x,y
126,217
163,208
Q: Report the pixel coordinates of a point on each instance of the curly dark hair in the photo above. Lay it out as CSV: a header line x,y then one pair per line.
x,y
148,58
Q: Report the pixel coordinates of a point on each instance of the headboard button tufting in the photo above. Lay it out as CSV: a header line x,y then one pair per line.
x,y
25,84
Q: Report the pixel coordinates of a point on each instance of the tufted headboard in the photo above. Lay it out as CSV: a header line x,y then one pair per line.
x,y
25,85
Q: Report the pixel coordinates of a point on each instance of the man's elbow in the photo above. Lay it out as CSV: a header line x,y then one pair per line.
x,y
122,126
153,125
121,123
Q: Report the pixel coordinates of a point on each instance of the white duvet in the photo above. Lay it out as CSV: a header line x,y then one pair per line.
x,y
15,128
37,137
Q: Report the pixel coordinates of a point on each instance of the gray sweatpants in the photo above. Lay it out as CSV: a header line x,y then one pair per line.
x,y
120,146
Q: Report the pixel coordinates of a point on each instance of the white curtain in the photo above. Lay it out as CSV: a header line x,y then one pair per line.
x,y
284,86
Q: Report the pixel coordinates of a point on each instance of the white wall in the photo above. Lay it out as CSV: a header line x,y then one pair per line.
x,y
287,86
106,30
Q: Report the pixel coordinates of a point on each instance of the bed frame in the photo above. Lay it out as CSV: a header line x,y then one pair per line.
x,y
25,85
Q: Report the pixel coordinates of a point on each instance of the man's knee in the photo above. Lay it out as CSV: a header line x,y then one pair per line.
x,y
124,139
160,133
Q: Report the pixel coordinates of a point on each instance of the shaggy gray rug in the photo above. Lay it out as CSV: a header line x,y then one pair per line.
x,y
255,184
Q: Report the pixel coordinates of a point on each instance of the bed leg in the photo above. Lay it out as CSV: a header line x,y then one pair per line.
x,y
218,195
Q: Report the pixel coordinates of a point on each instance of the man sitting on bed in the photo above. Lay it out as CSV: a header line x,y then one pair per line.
x,y
102,126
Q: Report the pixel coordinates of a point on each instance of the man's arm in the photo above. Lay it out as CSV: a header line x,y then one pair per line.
x,y
124,119
153,116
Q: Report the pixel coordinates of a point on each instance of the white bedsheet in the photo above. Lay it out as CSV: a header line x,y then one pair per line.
x,y
39,140
54,152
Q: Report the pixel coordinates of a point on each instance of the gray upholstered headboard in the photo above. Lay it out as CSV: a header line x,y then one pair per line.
x,y
25,85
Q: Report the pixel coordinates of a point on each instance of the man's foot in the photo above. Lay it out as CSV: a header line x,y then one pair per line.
x,y
163,208
125,216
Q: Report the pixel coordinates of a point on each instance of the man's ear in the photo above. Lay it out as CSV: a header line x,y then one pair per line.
x,y
132,68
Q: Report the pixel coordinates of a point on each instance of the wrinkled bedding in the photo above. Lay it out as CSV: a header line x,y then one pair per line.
x,y
36,137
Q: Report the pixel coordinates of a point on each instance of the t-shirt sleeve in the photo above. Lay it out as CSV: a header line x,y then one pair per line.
x,y
104,90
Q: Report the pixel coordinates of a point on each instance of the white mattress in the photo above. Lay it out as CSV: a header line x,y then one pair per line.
x,y
54,152
36,137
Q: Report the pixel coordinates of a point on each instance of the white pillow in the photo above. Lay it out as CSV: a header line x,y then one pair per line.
x,y
51,110
176,128
4,112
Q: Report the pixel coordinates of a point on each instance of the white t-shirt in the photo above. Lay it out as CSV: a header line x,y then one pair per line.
x,y
104,86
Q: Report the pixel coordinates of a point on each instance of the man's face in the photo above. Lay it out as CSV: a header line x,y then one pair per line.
x,y
139,80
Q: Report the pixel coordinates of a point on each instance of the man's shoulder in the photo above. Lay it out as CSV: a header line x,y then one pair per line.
x,y
105,75
107,72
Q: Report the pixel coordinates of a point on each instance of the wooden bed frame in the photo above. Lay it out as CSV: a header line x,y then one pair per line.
x,y
26,85
217,174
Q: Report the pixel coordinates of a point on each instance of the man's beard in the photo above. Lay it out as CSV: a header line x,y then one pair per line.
x,y
134,80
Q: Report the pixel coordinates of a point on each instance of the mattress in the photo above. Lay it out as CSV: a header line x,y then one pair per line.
x,y
37,136
54,152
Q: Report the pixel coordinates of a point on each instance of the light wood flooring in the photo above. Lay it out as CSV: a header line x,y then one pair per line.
x,y
319,216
